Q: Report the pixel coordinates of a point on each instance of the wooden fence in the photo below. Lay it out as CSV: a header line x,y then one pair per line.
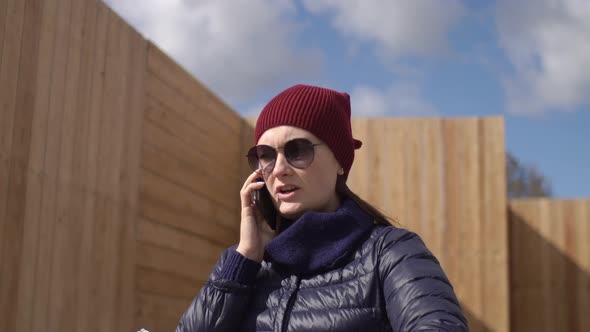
x,y
550,265
445,180
71,96
189,186
120,177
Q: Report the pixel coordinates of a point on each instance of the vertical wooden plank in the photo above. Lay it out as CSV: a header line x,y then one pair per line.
x,y
64,261
36,178
10,228
460,225
572,282
134,108
79,167
23,122
467,192
413,170
525,264
88,281
358,177
9,67
582,225
106,234
11,175
544,228
395,135
452,171
516,248
433,205
556,239
51,165
494,231
470,213
3,9
375,145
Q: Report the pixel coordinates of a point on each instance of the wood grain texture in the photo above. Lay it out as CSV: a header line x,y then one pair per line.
x,y
51,164
549,270
190,174
71,150
12,177
66,232
435,177
120,176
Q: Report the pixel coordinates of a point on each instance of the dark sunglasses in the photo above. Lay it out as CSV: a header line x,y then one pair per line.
x,y
299,153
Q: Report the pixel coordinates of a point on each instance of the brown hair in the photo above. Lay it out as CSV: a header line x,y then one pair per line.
x,y
344,192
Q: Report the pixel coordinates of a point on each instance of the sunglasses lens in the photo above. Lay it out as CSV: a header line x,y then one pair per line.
x,y
299,152
262,157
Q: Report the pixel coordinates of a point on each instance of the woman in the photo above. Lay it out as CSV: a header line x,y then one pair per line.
x,y
333,263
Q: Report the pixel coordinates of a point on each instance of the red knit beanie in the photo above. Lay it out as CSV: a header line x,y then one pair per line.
x,y
323,112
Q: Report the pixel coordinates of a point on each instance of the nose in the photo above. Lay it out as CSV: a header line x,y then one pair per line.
x,y
282,167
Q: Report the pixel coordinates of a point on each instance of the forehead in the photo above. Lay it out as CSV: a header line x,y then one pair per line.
x,y
278,136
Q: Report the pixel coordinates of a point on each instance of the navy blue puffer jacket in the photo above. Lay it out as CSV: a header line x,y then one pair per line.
x,y
392,282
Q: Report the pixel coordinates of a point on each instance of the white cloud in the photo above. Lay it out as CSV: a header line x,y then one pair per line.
x,y
399,99
396,27
548,44
238,48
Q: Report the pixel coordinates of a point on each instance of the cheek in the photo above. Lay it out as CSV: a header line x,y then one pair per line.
x,y
321,184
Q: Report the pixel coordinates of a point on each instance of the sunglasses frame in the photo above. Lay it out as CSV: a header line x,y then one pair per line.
x,y
252,152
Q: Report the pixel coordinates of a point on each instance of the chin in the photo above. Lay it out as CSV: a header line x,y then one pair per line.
x,y
291,211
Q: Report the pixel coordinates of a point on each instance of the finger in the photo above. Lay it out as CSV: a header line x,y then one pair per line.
x,y
251,179
246,194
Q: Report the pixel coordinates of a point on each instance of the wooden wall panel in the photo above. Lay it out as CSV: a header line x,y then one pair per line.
x,y
66,233
550,264
120,176
190,177
88,250
40,20
12,176
444,179
70,143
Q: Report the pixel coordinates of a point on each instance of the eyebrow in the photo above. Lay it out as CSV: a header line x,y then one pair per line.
x,y
290,139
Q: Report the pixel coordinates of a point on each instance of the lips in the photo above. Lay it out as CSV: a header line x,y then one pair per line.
x,y
285,189
286,192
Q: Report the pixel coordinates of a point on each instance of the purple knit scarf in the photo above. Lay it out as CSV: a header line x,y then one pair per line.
x,y
320,241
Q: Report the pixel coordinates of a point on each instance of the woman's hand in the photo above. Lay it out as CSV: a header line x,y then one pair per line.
x,y
255,233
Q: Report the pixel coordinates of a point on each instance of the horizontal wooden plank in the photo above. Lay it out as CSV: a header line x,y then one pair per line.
x,y
157,137
172,262
149,281
161,306
162,96
153,209
185,202
172,238
203,135
246,141
184,174
160,65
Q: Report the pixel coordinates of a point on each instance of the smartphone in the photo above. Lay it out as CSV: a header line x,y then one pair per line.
x,y
264,203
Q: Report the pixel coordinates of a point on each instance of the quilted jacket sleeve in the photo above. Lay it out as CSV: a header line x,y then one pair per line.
x,y
222,302
418,294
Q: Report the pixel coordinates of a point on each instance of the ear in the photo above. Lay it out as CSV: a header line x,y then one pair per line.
x,y
341,171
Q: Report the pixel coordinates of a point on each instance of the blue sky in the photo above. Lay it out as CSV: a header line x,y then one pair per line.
x,y
526,60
